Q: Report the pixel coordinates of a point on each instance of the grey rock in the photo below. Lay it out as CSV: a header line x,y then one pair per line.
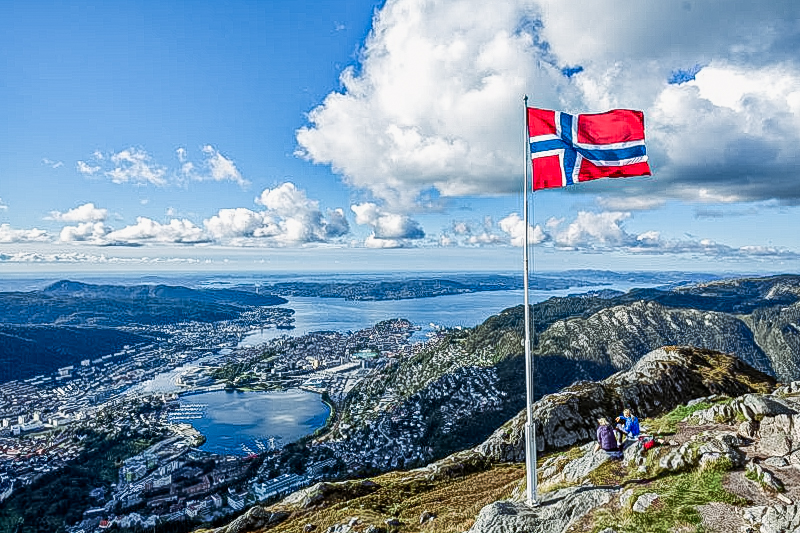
x,y
625,498
644,502
794,458
375,529
555,513
702,450
758,406
309,527
764,477
393,522
781,519
788,389
776,462
778,434
254,519
748,429
580,468
426,517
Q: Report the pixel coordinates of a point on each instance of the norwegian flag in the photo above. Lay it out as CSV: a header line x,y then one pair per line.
x,y
567,149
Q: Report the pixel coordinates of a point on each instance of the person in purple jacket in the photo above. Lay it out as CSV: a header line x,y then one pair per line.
x,y
606,440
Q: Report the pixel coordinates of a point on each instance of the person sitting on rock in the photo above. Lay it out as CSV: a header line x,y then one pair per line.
x,y
628,426
606,440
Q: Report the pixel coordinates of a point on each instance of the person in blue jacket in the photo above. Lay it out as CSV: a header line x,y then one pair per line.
x,y
628,425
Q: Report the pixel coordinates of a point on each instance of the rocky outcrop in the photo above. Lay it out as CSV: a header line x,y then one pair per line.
x,y
328,493
256,519
658,382
556,512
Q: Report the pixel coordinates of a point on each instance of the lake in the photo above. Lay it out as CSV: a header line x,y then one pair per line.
x,y
238,423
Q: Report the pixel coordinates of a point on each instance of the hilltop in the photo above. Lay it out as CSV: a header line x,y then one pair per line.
x,y
724,461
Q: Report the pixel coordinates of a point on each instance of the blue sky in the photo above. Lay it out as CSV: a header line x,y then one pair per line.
x,y
354,135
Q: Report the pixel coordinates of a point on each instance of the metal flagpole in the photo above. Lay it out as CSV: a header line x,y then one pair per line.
x,y
530,427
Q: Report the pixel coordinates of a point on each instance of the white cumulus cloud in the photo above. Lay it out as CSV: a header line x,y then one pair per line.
x,y
92,232
9,235
389,230
83,213
436,99
87,169
514,226
220,168
136,166
290,218
149,231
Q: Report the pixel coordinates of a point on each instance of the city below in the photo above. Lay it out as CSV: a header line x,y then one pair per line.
x,y
134,395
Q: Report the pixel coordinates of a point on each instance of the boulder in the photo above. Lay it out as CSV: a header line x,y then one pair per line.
x,y
321,494
578,469
644,502
707,449
748,429
254,519
556,512
764,477
773,519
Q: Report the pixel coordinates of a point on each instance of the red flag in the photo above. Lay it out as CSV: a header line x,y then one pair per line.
x,y
567,149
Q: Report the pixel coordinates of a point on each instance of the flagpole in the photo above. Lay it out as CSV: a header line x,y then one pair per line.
x,y
530,427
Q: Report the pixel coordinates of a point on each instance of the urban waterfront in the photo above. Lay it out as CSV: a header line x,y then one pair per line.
x,y
247,422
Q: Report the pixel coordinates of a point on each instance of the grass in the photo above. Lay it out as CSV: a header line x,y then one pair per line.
x,y
668,423
406,495
676,508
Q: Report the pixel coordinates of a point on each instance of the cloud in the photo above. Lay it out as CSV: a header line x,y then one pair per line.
x,y
213,167
3,206
92,232
389,230
615,203
136,166
221,168
78,257
590,230
514,226
290,218
52,164
603,232
149,231
240,223
435,100
86,169
8,235
83,213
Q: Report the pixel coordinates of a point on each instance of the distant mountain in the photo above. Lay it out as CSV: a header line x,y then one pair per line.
x,y
401,287
73,303
68,321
